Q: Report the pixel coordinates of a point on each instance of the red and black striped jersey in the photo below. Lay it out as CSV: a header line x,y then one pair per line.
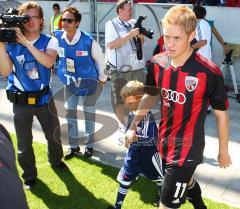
x,y
185,94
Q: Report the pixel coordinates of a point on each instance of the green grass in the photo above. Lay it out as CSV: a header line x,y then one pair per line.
x,y
88,185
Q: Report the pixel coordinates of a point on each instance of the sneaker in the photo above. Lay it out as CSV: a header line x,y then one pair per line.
x,y
209,109
29,184
60,166
88,152
71,153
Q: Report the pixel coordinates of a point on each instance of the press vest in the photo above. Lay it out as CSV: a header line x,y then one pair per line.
x,y
77,69
127,53
55,22
28,74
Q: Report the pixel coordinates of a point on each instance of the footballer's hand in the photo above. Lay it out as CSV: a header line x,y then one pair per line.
x,y
101,82
130,137
224,160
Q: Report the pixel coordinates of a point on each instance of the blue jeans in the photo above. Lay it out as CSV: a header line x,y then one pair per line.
x,y
89,108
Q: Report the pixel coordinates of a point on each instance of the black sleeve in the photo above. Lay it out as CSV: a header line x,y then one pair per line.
x,y
5,133
150,86
216,92
156,50
11,187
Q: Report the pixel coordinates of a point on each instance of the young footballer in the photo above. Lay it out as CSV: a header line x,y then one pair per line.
x,y
142,156
186,83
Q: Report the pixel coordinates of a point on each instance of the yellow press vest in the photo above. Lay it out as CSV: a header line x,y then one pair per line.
x,y
54,22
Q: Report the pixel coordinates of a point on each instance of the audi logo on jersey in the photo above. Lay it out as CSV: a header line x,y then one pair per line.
x,y
174,96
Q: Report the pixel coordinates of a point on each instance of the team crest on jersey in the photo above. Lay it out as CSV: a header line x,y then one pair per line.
x,y
191,83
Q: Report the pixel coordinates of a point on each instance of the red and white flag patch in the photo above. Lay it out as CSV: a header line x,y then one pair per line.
x,y
81,53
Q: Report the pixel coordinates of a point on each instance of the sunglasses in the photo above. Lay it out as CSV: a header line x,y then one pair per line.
x,y
67,20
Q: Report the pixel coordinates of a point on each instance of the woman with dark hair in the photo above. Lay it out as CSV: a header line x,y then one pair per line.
x,y
81,67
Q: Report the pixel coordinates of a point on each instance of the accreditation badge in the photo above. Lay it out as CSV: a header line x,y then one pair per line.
x,y
70,65
133,58
31,70
61,52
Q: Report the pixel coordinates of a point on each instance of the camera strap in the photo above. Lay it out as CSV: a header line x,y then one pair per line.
x,y
129,28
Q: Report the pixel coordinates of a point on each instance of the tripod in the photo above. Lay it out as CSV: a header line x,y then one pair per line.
x,y
228,61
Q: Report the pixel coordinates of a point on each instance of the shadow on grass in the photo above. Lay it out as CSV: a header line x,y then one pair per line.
x,y
79,197
146,189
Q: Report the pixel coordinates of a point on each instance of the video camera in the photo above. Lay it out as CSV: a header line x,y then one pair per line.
x,y
10,18
146,32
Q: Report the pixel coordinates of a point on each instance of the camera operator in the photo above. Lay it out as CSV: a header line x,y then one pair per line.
x,y
11,190
121,53
29,62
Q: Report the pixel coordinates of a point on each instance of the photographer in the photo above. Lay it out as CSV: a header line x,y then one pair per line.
x,y
121,53
29,62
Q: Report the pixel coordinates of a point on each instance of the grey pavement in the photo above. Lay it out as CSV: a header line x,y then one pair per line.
x,y
222,185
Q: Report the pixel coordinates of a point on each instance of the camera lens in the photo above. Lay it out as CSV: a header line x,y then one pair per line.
x,y
9,34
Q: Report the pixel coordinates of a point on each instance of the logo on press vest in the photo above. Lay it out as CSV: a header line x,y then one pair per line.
x,y
81,53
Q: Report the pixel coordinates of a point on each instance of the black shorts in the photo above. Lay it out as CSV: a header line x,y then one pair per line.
x,y
174,189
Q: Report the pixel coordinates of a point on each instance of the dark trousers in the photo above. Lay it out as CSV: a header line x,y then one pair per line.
x,y
23,119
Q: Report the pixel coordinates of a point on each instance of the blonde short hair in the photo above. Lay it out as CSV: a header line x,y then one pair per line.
x,y
132,88
181,16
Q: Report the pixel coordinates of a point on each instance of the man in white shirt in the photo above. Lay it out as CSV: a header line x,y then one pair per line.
x,y
203,33
203,36
121,53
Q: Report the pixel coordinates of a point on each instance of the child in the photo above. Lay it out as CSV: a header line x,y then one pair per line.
x,y
142,155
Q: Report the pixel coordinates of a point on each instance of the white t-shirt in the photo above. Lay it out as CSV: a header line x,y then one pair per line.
x,y
204,32
52,44
126,54
111,35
